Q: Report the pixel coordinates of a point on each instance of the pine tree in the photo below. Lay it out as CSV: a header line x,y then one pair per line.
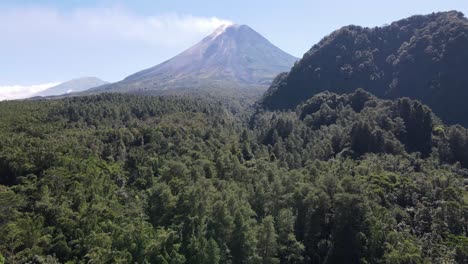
x,y
267,241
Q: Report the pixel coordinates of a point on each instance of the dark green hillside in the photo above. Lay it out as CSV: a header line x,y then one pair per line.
x,y
129,179
421,57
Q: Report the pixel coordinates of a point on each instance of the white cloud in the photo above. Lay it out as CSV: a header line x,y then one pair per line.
x,y
38,44
97,24
10,92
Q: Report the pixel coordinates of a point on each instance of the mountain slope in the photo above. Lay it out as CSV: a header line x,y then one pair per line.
x,y
73,86
422,57
232,57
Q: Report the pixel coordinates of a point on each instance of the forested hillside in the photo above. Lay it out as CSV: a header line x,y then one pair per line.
x,y
421,57
130,179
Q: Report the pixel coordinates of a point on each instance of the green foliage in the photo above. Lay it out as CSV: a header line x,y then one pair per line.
x,y
267,241
129,179
421,57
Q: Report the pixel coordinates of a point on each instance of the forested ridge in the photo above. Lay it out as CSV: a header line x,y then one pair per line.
x,y
131,179
423,57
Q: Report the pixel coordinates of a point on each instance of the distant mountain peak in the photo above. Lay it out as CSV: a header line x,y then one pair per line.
x,y
233,56
234,30
73,86
220,30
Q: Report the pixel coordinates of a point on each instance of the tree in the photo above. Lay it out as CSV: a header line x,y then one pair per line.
x,y
213,253
243,244
402,249
267,241
348,235
289,249
418,123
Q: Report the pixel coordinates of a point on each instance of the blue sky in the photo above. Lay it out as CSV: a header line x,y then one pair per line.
x,y
44,42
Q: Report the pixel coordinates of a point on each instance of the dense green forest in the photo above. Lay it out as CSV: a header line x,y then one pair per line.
x,y
132,179
385,61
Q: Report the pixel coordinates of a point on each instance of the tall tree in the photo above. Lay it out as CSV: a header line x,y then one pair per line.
x,y
267,241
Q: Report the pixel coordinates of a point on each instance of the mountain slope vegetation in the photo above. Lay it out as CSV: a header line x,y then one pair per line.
x,y
421,57
129,179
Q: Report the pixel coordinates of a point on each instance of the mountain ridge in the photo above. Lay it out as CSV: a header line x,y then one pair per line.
x,y
385,61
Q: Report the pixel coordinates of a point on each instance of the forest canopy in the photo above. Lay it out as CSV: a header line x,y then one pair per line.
x,y
130,179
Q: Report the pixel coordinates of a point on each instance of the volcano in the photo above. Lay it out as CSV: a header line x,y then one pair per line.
x,y
234,57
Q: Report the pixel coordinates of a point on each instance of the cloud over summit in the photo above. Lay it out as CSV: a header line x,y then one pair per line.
x,y
101,24
40,44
